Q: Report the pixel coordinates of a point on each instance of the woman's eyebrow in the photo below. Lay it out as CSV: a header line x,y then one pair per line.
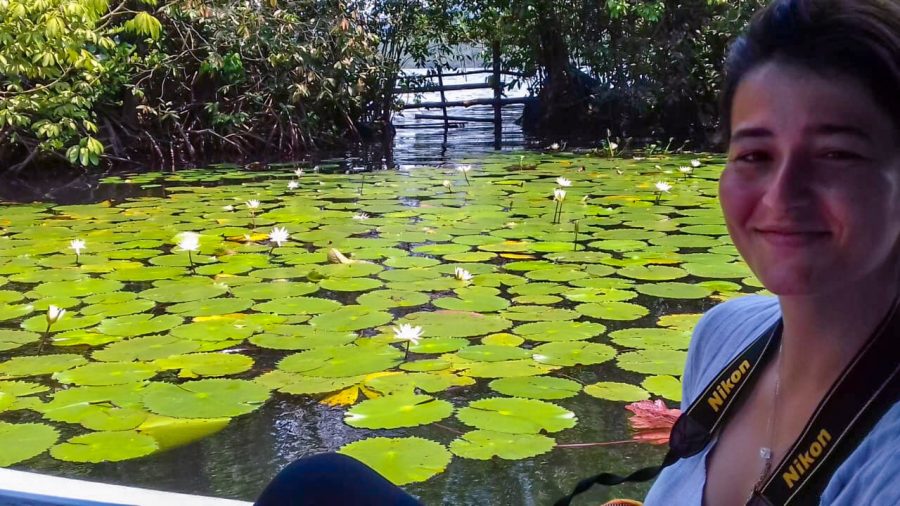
x,y
835,129
747,133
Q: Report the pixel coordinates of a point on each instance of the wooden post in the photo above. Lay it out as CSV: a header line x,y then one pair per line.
x,y
440,74
498,95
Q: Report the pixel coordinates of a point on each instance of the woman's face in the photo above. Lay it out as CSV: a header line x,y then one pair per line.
x,y
811,190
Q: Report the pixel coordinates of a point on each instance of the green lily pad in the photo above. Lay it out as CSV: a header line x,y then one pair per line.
x,y
145,349
350,284
174,432
215,330
651,338
400,460
674,290
663,386
12,339
193,365
114,418
669,362
105,447
456,323
398,410
569,353
138,325
298,305
107,373
731,270
394,383
342,361
21,367
431,345
559,331
298,384
67,322
493,353
506,369
624,311
210,307
386,299
486,444
613,391
274,290
349,318
516,416
22,388
536,387
652,272
22,441
207,398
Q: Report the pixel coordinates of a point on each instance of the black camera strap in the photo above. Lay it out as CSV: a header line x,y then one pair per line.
x,y
866,389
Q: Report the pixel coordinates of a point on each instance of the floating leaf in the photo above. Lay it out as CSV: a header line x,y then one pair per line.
x,y
400,460
12,339
298,384
105,447
571,353
663,386
560,331
613,391
397,410
138,325
485,444
506,369
651,338
516,416
613,310
536,387
653,361
208,398
174,432
456,324
39,365
493,353
107,373
674,290
145,349
341,361
350,318
193,365
22,441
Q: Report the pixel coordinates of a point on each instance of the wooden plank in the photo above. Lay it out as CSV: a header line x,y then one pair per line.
x,y
464,119
465,103
447,87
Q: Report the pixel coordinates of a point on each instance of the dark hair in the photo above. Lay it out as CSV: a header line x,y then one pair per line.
x,y
856,38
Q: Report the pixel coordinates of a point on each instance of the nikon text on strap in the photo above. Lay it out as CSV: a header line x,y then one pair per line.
x,y
864,391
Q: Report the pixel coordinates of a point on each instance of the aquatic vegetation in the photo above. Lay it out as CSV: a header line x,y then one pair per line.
x,y
468,314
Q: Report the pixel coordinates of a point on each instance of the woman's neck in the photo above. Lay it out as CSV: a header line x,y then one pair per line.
x,y
823,332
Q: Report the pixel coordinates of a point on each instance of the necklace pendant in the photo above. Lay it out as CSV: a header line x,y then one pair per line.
x,y
765,453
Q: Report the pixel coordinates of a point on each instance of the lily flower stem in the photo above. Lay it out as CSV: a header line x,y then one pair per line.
x,y
271,250
658,196
406,357
77,260
465,175
575,242
191,261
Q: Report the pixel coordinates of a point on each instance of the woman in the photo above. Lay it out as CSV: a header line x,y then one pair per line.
x,y
811,197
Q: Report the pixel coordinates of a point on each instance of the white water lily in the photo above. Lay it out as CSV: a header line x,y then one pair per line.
x,y
189,241
613,146
293,185
408,333
228,208
252,204
555,146
279,235
298,172
463,275
559,194
77,245
695,163
685,169
662,186
447,184
464,168
54,314
563,182
361,216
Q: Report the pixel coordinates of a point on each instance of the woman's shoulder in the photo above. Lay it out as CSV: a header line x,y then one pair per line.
x,y
869,474
721,334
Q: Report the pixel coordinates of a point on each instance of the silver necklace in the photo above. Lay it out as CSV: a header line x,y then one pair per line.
x,y
765,452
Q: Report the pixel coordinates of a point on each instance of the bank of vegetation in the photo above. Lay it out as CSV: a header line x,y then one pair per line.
x,y
85,83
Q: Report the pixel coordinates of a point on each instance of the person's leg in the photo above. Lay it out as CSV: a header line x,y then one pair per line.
x,y
332,478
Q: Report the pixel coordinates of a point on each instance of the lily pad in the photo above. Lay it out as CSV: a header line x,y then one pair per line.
x,y
342,361
107,373
207,398
400,460
349,318
486,444
12,339
21,367
22,441
398,410
456,323
674,290
651,338
138,325
571,353
559,331
613,391
193,365
669,362
105,447
298,305
145,349
536,387
663,386
516,416
613,310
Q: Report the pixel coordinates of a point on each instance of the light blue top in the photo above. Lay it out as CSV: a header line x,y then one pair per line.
x,y
869,475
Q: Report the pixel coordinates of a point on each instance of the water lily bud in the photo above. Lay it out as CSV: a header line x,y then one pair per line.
x,y
54,314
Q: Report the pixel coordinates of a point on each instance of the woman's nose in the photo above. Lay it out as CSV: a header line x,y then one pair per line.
x,y
791,184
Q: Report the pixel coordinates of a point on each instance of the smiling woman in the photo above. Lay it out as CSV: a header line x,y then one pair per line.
x,y
811,197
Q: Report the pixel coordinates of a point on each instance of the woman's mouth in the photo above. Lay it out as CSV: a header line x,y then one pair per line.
x,y
792,238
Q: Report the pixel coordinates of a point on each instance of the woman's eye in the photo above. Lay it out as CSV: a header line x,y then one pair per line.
x,y
752,157
838,154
